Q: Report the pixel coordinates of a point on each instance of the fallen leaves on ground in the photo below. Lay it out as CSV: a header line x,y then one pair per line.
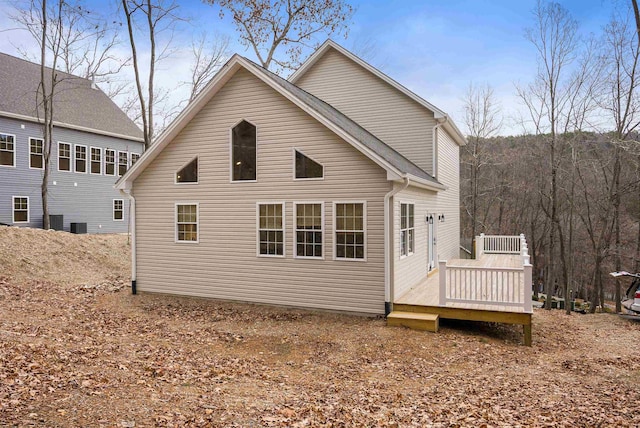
x,y
77,349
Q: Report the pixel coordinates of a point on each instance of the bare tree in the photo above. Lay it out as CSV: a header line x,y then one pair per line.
x,y
548,98
482,118
208,57
267,25
622,103
62,30
149,18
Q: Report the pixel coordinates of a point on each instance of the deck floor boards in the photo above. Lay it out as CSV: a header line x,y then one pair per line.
x,y
427,291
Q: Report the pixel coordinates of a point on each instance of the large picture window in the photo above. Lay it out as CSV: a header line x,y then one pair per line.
x,y
187,222
96,160
81,159
349,226
64,157
36,155
271,229
243,152
309,230
21,209
407,229
109,162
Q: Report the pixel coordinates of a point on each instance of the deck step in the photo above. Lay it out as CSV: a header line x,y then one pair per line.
x,y
413,320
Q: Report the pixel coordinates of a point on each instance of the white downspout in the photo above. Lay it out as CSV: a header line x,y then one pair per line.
x,y
388,246
434,155
132,231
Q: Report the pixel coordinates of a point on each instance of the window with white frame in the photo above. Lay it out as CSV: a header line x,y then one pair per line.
x,y
109,162
309,230
21,209
350,231
307,168
7,149
187,222
96,160
407,229
188,173
243,152
271,229
134,158
118,209
64,157
36,155
81,159
123,162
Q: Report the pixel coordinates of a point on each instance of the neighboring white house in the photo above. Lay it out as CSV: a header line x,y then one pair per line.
x,y
337,189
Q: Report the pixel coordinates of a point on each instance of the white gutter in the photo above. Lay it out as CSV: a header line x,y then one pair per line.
x,y
439,123
132,231
388,246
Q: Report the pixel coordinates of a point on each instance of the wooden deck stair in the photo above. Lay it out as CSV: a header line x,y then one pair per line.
x,y
414,320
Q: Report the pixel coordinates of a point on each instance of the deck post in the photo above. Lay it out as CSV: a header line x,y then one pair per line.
x,y
528,286
527,334
442,272
479,246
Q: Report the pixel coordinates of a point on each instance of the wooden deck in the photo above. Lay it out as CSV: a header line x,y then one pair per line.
x,y
427,291
424,297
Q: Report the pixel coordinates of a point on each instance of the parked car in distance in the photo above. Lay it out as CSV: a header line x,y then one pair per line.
x,y
631,299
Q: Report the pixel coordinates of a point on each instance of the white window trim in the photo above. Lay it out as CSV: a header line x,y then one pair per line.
x,y
13,210
175,222
131,158
113,210
30,153
231,180
101,160
295,230
15,149
284,229
364,224
295,149
86,157
175,174
71,156
115,162
406,202
117,171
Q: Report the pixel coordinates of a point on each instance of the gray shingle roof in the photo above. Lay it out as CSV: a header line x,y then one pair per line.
x,y
75,102
369,140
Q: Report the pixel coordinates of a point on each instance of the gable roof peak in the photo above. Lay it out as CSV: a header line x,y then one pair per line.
x,y
329,44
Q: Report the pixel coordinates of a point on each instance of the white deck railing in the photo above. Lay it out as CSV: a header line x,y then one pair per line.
x,y
497,244
499,286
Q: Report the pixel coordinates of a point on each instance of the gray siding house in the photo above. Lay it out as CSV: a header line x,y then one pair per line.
x,y
94,143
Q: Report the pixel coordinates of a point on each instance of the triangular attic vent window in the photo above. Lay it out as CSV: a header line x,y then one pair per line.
x,y
189,173
307,167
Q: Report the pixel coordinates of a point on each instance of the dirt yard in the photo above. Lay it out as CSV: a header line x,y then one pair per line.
x,y
77,349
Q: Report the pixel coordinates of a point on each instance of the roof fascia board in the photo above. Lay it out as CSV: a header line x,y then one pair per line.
x,y
438,114
70,126
212,88
425,184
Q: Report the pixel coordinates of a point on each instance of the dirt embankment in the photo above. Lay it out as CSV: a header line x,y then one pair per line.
x,y
77,349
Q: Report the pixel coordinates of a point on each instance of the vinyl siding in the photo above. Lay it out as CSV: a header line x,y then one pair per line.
x,y
79,197
224,263
449,200
409,270
380,108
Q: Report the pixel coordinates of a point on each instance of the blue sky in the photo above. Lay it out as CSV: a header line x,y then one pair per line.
x,y
435,48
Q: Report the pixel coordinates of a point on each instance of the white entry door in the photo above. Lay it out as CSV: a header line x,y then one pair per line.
x,y
431,241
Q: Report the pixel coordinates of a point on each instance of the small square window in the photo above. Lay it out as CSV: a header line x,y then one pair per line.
x,y
118,209
21,209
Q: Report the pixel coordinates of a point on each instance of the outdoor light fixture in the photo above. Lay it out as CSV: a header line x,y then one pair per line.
x,y
441,218
429,219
